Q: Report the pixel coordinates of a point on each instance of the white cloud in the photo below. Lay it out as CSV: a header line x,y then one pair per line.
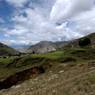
x,y
77,18
85,22
17,31
35,28
65,9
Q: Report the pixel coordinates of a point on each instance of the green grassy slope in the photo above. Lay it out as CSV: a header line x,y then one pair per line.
x,y
5,50
73,55
75,43
72,73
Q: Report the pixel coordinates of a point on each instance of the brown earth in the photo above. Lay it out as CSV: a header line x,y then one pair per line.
x,y
61,79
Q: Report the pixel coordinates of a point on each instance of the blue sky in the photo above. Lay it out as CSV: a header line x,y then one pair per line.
x,y
25,22
5,9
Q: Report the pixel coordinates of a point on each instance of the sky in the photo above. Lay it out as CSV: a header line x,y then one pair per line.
x,y
26,22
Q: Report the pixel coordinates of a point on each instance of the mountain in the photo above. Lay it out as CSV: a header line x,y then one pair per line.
x,y
42,47
48,46
75,43
22,49
6,50
45,46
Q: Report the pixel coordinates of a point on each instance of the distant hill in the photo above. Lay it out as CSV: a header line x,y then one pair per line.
x,y
48,46
6,50
45,46
75,43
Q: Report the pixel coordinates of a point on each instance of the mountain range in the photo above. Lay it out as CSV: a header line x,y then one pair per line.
x,y
43,46
48,46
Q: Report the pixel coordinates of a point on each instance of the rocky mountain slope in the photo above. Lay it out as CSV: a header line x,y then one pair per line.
x,y
45,47
6,50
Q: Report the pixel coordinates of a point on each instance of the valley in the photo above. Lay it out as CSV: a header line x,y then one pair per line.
x,y
70,70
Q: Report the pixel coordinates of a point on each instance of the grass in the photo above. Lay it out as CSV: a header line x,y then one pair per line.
x,y
72,54
12,65
73,62
91,78
52,55
6,61
7,50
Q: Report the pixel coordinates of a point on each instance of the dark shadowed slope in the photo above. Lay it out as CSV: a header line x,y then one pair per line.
x,y
6,50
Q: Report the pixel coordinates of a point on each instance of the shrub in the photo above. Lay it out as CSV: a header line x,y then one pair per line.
x,y
84,42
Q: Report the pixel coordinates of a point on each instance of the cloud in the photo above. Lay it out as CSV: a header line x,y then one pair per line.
x,y
85,22
17,3
56,20
66,9
35,28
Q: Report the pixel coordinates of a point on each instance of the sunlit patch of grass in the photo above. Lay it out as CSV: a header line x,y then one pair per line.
x,y
52,55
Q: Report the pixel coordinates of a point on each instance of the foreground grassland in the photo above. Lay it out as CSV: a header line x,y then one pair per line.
x,y
72,72
11,65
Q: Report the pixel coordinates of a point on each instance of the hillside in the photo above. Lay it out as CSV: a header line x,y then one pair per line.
x,y
6,50
48,46
45,47
75,43
69,71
